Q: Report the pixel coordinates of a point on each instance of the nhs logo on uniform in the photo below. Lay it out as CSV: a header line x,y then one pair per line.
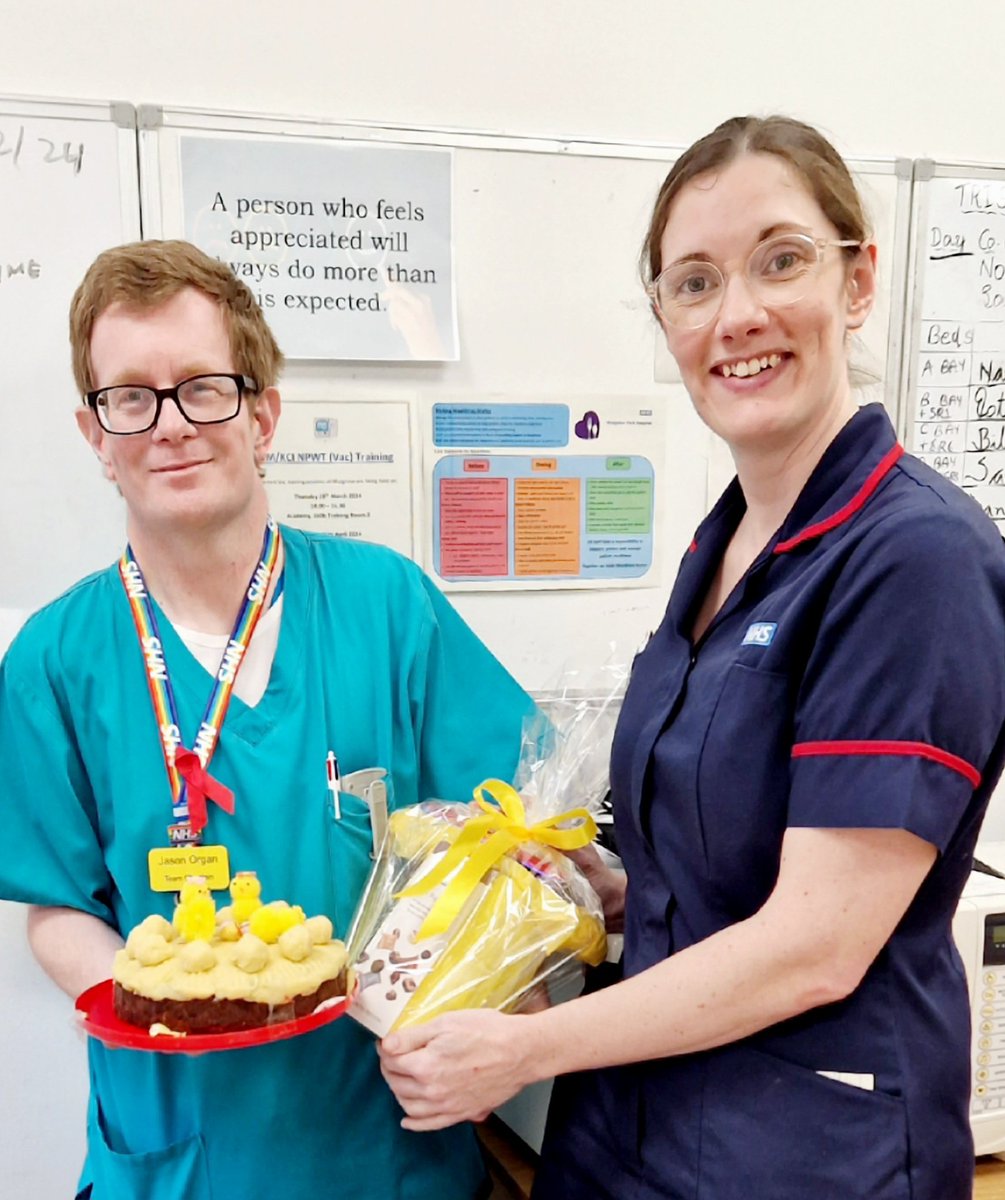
x,y
760,633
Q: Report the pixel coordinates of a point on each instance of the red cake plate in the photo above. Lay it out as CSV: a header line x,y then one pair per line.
x,y
97,1018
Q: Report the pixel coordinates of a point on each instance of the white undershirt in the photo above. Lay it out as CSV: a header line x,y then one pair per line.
x,y
256,666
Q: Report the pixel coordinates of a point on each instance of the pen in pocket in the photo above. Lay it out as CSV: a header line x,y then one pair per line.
x,y
334,785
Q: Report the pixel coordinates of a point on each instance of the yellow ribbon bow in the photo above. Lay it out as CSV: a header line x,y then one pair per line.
x,y
484,840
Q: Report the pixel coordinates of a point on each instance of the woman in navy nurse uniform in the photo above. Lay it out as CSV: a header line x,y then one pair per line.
x,y
802,763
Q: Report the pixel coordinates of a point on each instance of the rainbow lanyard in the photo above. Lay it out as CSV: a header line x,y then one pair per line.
x,y
191,783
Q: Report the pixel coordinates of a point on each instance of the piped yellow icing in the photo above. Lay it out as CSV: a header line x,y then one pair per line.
x,y
246,969
150,949
197,956
155,923
320,930
252,954
295,943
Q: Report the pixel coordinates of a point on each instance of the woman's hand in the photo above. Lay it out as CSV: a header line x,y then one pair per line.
x,y
457,1067
411,314
608,883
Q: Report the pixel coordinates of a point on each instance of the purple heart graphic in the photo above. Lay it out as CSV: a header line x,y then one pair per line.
x,y
589,427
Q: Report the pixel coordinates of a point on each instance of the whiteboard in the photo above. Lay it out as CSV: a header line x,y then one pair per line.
x,y
547,236
954,396
68,189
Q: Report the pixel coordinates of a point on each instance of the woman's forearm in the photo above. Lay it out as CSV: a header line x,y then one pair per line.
x,y
787,958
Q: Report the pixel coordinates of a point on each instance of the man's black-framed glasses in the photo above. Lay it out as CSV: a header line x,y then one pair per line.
x,y
201,400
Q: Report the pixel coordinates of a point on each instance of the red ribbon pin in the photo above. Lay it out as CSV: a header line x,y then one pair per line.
x,y
201,786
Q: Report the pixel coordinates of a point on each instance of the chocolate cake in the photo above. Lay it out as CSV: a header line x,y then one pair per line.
x,y
218,1015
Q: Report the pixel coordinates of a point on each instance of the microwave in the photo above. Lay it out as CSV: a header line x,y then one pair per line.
x,y
979,932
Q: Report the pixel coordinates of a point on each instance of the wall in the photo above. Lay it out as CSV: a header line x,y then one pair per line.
x,y
911,79
896,79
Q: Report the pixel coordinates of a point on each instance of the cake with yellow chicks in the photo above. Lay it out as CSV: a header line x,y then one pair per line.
x,y
246,965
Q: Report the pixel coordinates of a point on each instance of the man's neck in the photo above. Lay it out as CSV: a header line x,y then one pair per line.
x,y
199,574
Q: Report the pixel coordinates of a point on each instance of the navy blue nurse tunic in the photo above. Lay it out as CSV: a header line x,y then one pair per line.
x,y
854,678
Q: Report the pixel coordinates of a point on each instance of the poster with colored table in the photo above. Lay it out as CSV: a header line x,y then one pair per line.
x,y
543,493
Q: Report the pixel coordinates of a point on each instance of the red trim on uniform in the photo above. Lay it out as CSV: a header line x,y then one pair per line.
x,y
850,509
921,749
694,546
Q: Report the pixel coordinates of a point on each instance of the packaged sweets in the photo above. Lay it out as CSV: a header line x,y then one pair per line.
x,y
476,905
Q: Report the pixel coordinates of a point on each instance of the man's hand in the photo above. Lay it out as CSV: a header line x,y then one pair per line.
x,y
608,883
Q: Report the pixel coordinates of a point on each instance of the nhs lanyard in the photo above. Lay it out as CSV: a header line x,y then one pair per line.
x,y
191,783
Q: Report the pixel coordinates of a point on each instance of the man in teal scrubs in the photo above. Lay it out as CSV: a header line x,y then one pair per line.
x,y
355,652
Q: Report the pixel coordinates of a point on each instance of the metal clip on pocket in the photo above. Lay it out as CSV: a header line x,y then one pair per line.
x,y
370,787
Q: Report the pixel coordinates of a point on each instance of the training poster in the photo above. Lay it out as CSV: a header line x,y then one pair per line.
x,y
345,467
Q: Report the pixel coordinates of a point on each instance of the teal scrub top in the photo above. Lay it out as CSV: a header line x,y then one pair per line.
x,y
373,663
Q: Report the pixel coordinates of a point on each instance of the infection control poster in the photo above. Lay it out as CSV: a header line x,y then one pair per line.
x,y
542,493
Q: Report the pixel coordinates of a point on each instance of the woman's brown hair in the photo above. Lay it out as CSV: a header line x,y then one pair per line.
x,y
805,149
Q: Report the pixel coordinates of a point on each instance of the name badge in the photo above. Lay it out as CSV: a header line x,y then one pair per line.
x,y
170,866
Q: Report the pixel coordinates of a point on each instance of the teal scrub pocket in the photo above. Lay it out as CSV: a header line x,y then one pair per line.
x,y
350,841
174,1172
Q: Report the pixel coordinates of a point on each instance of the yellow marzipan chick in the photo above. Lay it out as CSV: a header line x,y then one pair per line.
x,y
195,914
272,920
246,892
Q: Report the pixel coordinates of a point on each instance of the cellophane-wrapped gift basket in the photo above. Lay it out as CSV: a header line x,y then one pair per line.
x,y
475,904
